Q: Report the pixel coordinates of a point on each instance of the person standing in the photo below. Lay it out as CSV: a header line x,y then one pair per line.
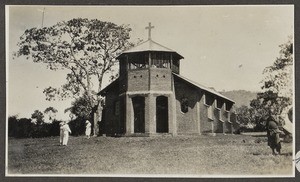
x,y
88,129
66,130
273,135
61,133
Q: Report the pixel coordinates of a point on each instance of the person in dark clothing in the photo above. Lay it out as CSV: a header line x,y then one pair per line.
x,y
273,135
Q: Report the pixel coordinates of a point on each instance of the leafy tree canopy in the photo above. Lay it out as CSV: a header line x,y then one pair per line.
x,y
277,85
37,117
81,107
50,109
86,48
50,114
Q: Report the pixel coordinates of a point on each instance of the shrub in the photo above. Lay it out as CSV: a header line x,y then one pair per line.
x,y
12,126
24,128
77,126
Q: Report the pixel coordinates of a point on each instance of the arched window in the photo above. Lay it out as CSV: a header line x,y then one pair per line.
x,y
184,105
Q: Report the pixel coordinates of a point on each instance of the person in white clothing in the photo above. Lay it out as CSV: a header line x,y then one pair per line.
x,y
66,130
88,129
61,133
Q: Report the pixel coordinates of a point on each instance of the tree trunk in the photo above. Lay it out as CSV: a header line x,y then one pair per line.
x,y
98,112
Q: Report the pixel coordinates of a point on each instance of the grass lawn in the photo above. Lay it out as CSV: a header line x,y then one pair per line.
x,y
163,155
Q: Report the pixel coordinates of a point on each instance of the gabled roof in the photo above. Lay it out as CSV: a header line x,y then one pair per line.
x,y
203,87
108,87
149,45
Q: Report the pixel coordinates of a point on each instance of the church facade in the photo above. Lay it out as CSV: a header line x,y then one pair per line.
x,y
150,97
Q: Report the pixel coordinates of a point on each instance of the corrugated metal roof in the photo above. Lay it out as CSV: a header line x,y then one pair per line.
x,y
149,45
203,87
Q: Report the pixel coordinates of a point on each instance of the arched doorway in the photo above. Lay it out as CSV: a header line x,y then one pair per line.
x,y
162,125
139,114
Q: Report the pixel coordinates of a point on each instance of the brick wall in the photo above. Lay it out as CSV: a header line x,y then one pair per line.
x,y
138,80
111,121
160,79
205,123
187,122
218,125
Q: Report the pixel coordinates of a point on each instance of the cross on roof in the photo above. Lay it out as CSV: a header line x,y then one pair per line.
x,y
149,30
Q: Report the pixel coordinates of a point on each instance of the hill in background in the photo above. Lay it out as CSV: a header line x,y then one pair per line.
x,y
241,97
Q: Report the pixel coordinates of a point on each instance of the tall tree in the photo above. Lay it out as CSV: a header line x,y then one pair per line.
x,y
277,84
244,115
81,108
86,48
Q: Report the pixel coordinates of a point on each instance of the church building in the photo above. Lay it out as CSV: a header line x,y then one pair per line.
x,y
150,97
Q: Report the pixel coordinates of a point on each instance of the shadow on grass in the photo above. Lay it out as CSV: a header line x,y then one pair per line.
x,y
282,154
258,153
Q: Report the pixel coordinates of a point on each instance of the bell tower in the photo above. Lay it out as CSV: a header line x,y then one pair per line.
x,y
146,88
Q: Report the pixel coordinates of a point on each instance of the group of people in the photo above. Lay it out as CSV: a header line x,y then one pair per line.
x,y
65,131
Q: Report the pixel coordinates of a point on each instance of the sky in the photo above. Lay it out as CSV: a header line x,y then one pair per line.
x,y
224,47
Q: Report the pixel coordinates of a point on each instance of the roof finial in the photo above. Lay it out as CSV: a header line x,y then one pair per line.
x,y
149,30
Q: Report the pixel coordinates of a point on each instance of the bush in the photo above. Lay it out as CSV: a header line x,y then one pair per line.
x,y
55,128
24,128
77,126
259,127
12,125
